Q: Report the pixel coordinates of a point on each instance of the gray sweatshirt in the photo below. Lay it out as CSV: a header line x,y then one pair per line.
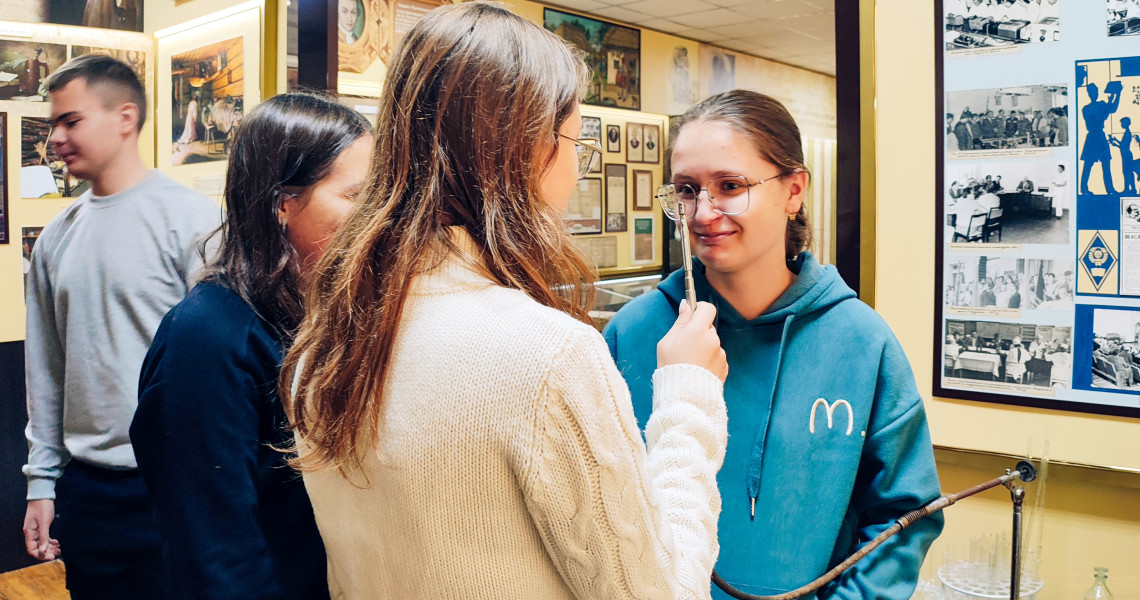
x,y
104,273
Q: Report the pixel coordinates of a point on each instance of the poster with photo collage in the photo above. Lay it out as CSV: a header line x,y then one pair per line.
x,y
1038,220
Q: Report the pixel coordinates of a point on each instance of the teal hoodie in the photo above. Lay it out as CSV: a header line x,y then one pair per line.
x,y
827,435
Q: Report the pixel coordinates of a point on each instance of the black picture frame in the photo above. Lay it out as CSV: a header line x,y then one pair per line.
x,y
5,220
938,350
612,51
613,138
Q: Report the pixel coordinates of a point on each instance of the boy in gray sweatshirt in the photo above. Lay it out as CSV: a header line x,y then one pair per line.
x,y
104,273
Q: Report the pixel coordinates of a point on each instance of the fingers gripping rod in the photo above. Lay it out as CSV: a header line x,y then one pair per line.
x,y
1024,472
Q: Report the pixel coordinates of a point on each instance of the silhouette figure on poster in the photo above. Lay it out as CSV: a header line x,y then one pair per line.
x,y
1128,164
1096,148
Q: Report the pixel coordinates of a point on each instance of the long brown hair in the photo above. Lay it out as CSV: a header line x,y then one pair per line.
x,y
466,128
288,141
773,131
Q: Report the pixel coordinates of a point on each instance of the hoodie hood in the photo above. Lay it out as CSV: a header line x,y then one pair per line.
x,y
816,288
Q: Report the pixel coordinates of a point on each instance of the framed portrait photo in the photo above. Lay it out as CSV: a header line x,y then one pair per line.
x,y
643,190
635,146
651,143
613,138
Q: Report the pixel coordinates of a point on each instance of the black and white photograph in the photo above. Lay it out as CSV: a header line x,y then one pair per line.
x,y
613,138
635,147
1025,201
974,24
1010,118
591,128
1020,353
652,134
1123,17
993,282
1116,349
25,66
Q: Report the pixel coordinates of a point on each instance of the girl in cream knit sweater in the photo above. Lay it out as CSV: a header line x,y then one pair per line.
x,y
462,430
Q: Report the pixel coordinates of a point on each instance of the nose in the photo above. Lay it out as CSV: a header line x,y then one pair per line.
x,y
56,136
703,212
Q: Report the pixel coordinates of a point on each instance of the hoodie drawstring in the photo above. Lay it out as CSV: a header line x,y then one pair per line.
x,y
756,465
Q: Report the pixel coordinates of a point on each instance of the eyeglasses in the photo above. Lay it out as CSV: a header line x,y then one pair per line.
x,y
589,152
727,195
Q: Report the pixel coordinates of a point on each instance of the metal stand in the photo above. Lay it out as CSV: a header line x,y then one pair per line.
x,y
1024,471
1017,494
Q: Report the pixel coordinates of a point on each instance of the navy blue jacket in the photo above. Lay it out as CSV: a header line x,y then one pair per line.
x,y
827,437
235,519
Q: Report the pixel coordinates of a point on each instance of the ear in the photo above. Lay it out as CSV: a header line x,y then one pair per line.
x,y
797,189
129,118
289,205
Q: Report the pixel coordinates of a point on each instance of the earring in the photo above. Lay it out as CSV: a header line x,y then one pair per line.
x,y
792,217
283,223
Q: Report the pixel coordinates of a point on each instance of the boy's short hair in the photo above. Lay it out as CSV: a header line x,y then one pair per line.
x,y
117,81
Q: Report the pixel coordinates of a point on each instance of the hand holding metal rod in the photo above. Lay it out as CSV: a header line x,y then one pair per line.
x,y
1024,472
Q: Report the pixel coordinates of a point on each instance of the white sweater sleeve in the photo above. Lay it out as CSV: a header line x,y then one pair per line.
x,y
618,521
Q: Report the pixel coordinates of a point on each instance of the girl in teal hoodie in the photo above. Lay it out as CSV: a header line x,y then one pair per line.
x,y
828,442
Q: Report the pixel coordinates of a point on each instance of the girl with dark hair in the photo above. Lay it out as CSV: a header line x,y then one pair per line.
x,y
462,430
828,442
235,519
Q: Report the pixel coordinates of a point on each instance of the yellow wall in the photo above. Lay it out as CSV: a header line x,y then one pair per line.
x,y
37,212
1093,517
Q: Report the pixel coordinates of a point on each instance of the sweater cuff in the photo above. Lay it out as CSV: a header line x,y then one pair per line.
x,y
41,488
688,383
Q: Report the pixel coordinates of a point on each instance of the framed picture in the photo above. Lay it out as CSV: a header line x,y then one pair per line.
x,y
25,66
643,190
635,147
643,247
597,168
358,33
584,209
613,53
613,138
602,249
3,178
103,14
591,128
208,76
1036,218
616,203
652,143
43,173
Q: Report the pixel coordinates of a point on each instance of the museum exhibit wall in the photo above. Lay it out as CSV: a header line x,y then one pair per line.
x,y
1090,517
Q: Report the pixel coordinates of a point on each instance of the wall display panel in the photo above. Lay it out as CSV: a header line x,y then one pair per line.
x,y
617,204
1038,220
207,77
612,52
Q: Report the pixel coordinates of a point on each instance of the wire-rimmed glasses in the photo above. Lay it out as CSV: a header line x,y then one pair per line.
x,y
728,195
589,153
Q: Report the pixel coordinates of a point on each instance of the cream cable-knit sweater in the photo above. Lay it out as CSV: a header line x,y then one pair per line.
x,y
510,466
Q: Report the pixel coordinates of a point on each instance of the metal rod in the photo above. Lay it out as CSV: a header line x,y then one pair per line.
x,y
687,256
1018,496
1023,472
